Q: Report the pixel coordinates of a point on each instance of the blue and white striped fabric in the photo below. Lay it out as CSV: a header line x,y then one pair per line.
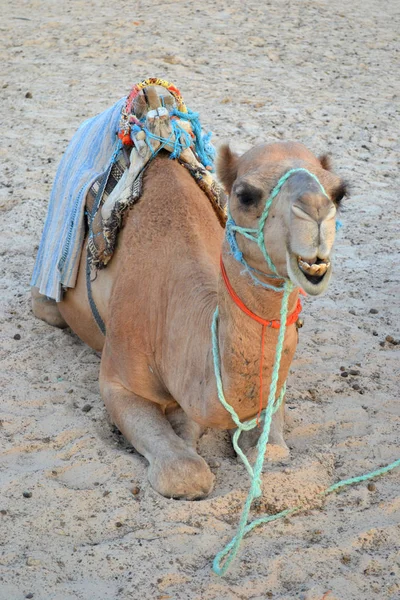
x,y
86,158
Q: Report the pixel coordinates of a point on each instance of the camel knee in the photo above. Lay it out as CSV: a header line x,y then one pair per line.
x,y
276,448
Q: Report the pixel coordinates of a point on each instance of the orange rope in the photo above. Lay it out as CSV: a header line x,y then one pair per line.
x,y
274,323
261,373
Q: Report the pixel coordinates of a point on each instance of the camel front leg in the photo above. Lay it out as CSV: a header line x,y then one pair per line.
x,y
175,469
276,447
184,426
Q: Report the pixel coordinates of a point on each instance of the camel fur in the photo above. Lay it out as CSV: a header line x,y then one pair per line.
x,y
158,294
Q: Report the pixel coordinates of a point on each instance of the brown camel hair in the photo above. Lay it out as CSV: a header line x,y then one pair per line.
x,y
158,295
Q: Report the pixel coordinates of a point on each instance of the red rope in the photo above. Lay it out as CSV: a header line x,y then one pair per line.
x,y
274,323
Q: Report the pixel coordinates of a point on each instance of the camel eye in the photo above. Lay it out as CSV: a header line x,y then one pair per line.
x,y
248,195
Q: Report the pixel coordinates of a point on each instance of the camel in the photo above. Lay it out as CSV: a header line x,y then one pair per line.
x,y
158,295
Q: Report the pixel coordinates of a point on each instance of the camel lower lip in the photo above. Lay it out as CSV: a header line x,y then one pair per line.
x,y
314,279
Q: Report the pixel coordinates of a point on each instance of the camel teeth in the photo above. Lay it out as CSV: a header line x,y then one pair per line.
x,y
303,264
322,268
315,268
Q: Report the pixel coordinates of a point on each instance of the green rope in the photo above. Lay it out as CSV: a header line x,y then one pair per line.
x,y
290,511
257,235
272,406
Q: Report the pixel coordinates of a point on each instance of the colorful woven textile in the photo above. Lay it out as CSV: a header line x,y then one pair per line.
x,y
101,175
154,118
86,158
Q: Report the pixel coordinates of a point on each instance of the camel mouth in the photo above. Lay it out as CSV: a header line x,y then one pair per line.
x,y
314,271
313,276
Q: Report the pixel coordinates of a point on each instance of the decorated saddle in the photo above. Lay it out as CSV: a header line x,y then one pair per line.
x,y
154,118
101,173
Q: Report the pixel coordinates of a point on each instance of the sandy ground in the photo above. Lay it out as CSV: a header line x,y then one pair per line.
x,y
320,72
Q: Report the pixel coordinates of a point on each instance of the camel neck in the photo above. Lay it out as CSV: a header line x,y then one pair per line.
x,y
262,302
247,337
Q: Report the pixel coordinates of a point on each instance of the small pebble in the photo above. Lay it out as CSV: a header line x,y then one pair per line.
x,y
118,524
354,372
375,333
352,311
346,559
30,595
373,311
135,490
17,336
106,493
361,392
382,344
344,374
356,386
87,408
28,95
27,494
371,487
3,511
342,368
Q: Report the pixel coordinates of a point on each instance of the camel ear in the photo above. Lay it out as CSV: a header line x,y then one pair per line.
x,y
325,161
227,166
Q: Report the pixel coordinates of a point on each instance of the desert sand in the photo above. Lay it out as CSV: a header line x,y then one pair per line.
x,y
78,519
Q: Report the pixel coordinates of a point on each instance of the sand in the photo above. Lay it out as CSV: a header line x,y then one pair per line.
x,y
323,73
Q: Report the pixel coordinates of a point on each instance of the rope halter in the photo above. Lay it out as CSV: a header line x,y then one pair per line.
x,y
257,235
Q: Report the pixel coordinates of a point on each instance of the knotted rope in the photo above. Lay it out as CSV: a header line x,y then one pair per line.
x,y
228,553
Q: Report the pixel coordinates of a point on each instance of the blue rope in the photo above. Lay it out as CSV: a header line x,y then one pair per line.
x,y
204,149
181,139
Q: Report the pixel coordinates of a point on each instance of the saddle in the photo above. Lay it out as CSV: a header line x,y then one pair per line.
x,y
154,118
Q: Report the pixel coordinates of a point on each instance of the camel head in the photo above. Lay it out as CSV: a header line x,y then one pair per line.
x,y
298,230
